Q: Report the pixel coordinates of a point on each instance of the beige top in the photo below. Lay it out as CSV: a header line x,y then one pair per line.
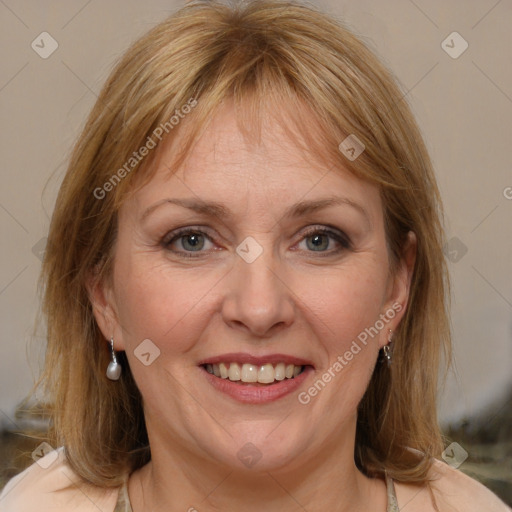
x,y
51,485
123,502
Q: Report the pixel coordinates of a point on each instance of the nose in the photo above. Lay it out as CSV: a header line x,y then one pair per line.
x,y
258,300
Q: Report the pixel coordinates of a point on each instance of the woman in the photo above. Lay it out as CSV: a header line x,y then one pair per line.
x,y
244,283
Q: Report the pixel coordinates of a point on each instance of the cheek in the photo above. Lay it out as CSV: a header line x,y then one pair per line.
x,y
167,307
343,304
344,310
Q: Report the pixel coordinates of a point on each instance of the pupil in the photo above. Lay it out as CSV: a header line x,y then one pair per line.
x,y
317,241
193,240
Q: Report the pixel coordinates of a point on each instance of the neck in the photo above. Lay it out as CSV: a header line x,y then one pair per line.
x,y
179,479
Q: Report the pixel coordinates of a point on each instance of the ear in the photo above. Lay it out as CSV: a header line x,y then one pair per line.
x,y
399,285
101,295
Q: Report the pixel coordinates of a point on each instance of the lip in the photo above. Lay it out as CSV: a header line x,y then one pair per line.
x,y
249,394
243,357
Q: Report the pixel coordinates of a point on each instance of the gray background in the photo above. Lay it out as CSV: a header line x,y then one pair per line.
x,y
463,105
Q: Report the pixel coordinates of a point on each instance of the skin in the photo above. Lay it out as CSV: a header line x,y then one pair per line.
x,y
292,299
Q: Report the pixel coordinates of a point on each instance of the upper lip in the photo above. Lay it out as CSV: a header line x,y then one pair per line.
x,y
244,357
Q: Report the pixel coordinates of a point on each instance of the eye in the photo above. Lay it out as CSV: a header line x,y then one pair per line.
x,y
320,240
188,240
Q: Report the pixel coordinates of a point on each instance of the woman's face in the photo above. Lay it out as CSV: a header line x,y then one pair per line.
x,y
254,282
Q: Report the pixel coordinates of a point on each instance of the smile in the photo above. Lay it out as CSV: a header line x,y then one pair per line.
x,y
247,373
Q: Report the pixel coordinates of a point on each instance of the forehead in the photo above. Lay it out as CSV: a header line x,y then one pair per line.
x,y
270,171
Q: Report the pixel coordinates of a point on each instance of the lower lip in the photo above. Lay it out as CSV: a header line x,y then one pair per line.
x,y
257,394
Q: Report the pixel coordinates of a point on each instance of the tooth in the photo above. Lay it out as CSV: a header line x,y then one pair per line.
x,y
280,371
249,373
234,371
223,371
266,373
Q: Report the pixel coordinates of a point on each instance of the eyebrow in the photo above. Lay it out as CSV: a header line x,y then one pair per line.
x,y
220,211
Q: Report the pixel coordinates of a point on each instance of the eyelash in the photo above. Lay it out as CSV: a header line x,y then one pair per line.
x,y
341,238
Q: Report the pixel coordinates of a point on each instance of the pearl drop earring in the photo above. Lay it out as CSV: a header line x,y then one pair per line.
x,y
114,368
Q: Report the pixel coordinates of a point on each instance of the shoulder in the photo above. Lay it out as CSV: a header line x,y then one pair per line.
x,y
50,484
453,491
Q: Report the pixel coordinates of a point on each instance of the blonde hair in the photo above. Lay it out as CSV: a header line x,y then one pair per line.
x,y
263,55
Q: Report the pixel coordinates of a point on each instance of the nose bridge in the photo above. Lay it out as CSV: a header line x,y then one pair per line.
x,y
258,299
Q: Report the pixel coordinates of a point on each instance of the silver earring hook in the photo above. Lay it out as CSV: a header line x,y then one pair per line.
x,y
387,350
